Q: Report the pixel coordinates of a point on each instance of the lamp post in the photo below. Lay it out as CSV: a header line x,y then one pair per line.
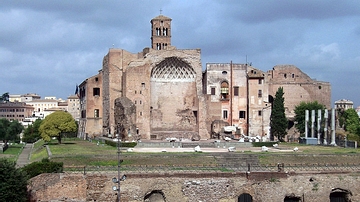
x,y
118,179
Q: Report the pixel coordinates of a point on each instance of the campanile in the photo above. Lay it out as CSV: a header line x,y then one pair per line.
x,y
160,32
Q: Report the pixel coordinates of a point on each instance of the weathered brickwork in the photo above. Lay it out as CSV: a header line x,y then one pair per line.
x,y
91,98
223,187
175,98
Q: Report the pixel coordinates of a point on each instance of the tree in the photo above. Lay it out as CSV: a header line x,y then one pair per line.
x,y
31,133
352,123
4,97
278,120
9,131
57,123
13,183
300,114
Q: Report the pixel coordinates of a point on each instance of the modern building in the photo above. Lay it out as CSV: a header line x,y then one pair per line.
x,y
344,104
15,111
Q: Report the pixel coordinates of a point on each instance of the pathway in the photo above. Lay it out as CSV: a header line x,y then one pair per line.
x,y
24,156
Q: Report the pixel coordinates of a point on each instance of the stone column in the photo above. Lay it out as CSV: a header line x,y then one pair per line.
x,y
319,126
312,123
326,116
306,123
333,127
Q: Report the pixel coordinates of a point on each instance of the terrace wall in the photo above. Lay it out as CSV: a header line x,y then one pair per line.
x,y
216,186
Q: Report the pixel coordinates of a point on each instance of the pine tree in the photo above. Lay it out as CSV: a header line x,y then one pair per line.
x,y
278,121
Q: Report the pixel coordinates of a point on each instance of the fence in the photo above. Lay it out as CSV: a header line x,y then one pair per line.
x,y
297,168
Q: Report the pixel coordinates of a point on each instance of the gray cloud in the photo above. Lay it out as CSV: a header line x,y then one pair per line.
x,y
48,47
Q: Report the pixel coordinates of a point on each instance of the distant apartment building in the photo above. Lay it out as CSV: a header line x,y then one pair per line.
x,y
73,106
344,104
15,111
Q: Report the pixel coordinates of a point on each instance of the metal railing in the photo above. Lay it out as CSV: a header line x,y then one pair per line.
x,y
216,168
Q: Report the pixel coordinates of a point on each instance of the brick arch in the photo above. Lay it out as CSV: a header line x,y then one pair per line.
x,y
340,195
245,197
155,196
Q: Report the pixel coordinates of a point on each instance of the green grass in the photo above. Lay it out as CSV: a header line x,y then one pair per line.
x,y
13,152
76,152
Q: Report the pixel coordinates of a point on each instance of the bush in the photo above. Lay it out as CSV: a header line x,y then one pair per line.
x,y
267,144
13,183
122,144
45,166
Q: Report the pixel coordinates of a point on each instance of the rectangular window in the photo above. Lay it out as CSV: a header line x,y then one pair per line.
x,y
96,91
212,90
96,113
143,85
236,91
260,93
260,81
241,114
83,114
259,113
225,114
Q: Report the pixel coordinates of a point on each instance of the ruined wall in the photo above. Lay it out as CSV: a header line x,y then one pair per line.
x,y
297,87
259,105
223,187
114,64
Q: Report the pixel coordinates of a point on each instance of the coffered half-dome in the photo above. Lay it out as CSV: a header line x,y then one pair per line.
x,y
173,69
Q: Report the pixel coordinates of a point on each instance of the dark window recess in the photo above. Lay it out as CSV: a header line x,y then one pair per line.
x,y
236,91
212,91
96,91
241,114
260,93
225,114
259,112
83,114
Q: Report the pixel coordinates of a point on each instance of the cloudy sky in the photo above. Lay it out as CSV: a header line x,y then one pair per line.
x,y
47,47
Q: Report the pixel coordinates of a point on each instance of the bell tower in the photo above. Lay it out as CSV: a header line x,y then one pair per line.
x,y
160,32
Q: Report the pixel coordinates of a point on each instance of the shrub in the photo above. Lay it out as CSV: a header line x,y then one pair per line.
x,y
45,166
122,144
260,144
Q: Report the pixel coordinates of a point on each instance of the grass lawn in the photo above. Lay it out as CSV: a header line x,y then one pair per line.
x,y
75,152
12,152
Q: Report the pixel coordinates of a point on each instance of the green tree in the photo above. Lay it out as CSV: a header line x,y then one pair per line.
x,y
13,183
352,123
4,97
278,120
31,133
57,123
10,130
300,114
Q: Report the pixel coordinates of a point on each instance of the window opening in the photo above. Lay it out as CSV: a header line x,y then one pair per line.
x,y
212,90
96,113
225,114
242,114
96,91
224,90
236,91
260,93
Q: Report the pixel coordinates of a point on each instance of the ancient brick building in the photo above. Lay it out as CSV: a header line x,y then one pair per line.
x,y
175,98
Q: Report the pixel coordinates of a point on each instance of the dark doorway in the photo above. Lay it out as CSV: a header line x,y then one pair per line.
x,y
292,199
340,195
245,198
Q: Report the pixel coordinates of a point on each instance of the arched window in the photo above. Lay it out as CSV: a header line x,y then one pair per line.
x,y
224,90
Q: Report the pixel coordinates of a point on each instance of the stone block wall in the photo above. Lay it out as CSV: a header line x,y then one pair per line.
x,y
180,187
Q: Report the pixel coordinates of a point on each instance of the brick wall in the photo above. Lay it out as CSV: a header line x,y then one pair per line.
x,y
224,187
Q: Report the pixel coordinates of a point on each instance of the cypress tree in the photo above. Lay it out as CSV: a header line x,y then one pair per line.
x,y
278,121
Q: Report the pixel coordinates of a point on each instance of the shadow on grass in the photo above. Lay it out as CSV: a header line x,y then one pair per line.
x,y
56,143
